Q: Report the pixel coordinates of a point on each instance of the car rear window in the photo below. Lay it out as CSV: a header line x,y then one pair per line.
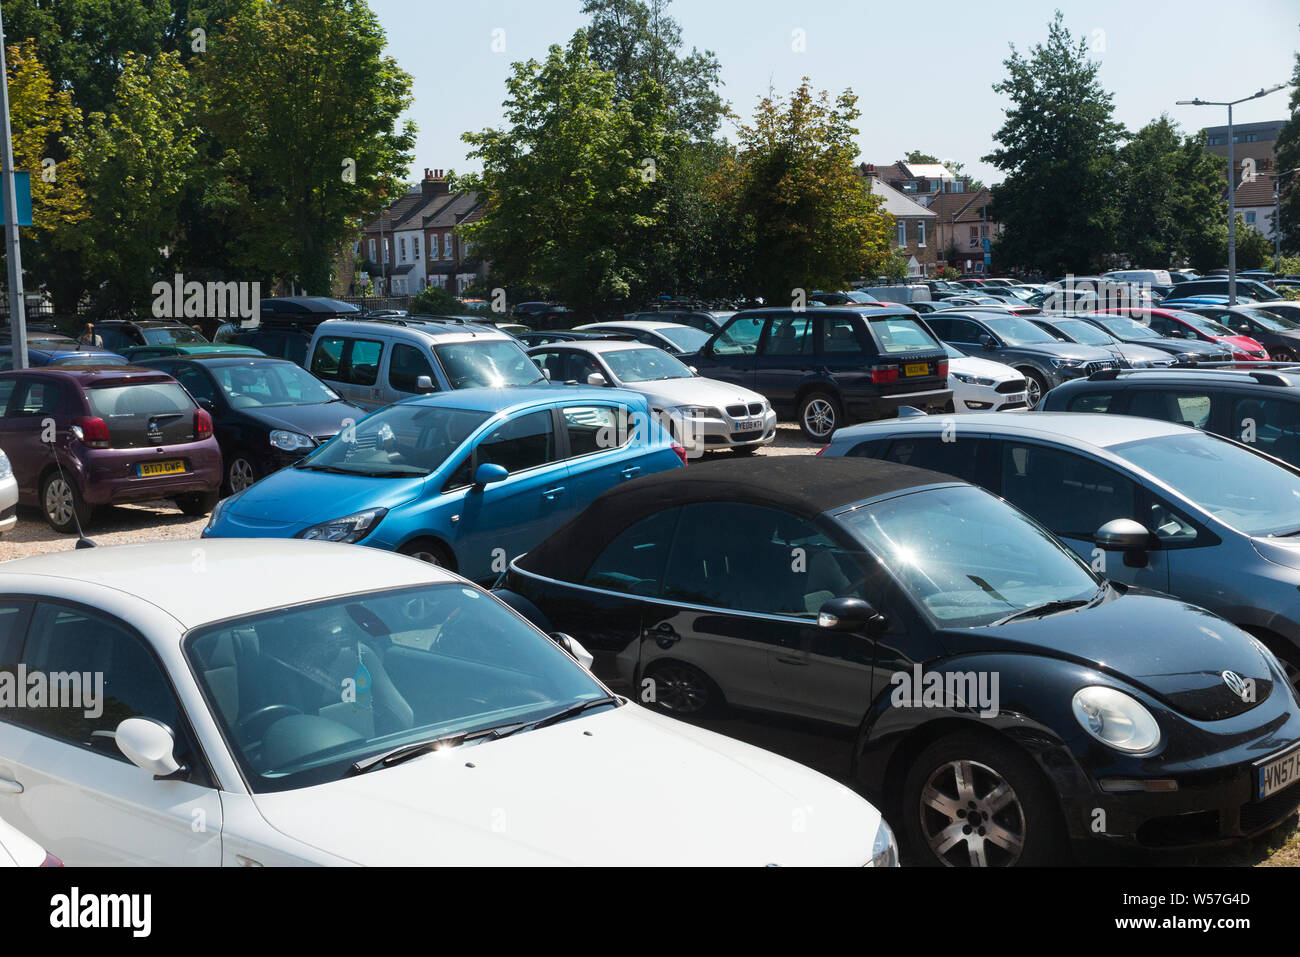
x,y
901,334
144,413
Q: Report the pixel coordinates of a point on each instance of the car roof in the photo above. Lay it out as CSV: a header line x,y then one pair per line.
x,y
804,485
1071,428
235,579
220,360
91,374
594,345
323,304
651,324
429,329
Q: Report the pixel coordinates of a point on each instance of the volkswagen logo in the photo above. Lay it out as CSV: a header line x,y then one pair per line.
x,y
1235,682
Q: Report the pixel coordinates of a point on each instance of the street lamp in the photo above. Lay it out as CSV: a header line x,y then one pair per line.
x,y
1277,214
17,316
1232,177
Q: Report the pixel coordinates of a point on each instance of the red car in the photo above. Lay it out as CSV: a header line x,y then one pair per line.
x,y
1178,324
81,436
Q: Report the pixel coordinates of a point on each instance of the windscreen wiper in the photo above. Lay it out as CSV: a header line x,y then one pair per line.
x,y
574,710
1046,608
407,751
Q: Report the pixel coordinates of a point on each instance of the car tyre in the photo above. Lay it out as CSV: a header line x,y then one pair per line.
x,y
682,690
1035,386
427,550
972,800
819,415
241,472
198,503
62,504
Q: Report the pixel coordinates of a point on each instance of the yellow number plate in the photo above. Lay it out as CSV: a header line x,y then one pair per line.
x,y
916,368
161,468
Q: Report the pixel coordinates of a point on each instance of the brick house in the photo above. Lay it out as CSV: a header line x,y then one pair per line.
x,y
914,227
961,227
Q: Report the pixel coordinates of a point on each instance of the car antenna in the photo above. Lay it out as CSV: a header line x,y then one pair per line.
x,y
82,540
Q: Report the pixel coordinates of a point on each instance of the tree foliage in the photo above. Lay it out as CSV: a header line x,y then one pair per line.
x,y
1287,153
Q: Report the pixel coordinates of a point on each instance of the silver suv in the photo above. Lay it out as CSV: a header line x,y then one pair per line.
x,y
1147,503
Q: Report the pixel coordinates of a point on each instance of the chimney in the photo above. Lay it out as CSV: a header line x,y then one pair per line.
x,y
433,184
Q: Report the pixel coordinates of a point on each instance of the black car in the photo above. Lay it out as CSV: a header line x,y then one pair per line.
x,y
1276,333
281,341
1258,407
931,645
1218,286
704,320
531,339
120,334
829,366
267,413
1128,329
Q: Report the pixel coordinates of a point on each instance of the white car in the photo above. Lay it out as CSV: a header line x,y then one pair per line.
x,y
980,385
19,850
8,495
291,702
672,337
703,414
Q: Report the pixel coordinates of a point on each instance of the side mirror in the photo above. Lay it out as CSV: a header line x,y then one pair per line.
x,y
489,472
424,383
694,371
1122,534
574,649
546,373
149,744
597,379
207,405
850,614
988,342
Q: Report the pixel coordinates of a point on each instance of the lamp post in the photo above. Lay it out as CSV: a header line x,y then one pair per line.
x,y
1232,180
17,316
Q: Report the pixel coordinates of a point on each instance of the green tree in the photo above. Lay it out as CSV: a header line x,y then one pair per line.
x,y
806,219
1254,249
304,106
1057,150
435,301
1287,153
916,156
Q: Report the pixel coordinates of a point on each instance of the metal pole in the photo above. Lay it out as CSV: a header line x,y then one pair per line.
x,y
17,317
1277,225
1232,215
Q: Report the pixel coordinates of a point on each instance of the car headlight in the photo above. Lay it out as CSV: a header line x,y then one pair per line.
x,y
970,379
350,528
1066,363
6,469
287,441
697,412
218,510
1116,719
884,849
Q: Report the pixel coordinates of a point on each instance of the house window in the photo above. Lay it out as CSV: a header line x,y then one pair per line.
x,y
464,248
974,236
1250,217
372,250
401,250
388,249
433,245
446,245
415,249
902,234
920,234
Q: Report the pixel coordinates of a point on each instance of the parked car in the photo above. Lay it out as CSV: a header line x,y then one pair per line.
x,y
281,342
966,302
568,335
122,434
980,385
373,363
138,354
1070,329
1284,308
1144,277
1180,302
706,320
1218,286
1182,324
810,600
828,366
8,495
670,336
847,297
1184,351
118,335
702,414
266,413
1040,357
51,354
19,850
903,293
309,708
464,479
1205,518
1279,335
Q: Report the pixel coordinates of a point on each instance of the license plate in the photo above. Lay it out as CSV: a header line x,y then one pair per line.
x,y
171,467
752,426
1279,773
916,368
1018,397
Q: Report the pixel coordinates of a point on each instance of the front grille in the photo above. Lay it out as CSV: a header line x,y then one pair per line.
x,y
755,408
740,411
1011,385
322,439
1100,364
735,411
1262,815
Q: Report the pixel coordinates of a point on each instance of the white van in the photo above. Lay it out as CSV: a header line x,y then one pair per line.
x,y
1145,277
904,293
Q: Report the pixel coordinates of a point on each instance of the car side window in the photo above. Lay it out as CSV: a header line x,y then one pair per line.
x,y
36,397
361,362
751,558
327,359
839,335
524,442
635,559
7,389
102,672
13,627
595,428
1184,408
789,336
740,337
951,458
113,339
1270,425
195,381
965,332
406,365
1070,494
1091,402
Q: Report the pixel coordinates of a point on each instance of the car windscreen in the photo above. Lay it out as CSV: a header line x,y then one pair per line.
x,y
169,335
262,384
328,684
644,365
1125,328
400,440
967,557
1239,487
89,359
686,338
1204,324
1015,331
1271,320
1084,332
486,363
900,334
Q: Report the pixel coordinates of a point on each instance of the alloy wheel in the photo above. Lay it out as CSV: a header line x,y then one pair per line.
x,y
241,475
971,816
1033,391
680,689
58,501
819,417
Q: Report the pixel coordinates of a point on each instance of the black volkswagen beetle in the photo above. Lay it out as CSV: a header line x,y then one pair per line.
x,y
932,645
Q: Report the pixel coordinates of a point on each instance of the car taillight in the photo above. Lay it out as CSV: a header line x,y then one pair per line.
x,y
202,424
93,432
884,374
51,861
941,369
681,452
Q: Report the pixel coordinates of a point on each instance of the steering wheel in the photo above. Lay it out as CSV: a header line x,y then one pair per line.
x,y
261,715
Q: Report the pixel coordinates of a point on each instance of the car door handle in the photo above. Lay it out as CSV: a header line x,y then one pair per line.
x,y
627,473
551,494
665,634
802,662
10,787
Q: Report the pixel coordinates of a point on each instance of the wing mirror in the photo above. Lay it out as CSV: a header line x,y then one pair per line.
x,y
1127,536
489,472
574,649
850,614
988,342
149,745
597,379
424,383
694,371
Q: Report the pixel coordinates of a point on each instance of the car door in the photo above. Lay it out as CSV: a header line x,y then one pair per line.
x,y
351,365
35,402
1073,495
63,780
786,358
504,519
731,355
405,365
601,446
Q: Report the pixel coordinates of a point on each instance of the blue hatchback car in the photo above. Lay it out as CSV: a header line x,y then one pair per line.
x,y
466,479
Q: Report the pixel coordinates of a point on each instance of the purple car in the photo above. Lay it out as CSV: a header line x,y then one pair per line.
x,y
81,436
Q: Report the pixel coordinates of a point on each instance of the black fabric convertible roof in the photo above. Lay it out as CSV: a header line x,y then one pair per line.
x,y
804,485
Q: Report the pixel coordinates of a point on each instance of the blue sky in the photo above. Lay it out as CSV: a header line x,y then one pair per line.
x,y
923,72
